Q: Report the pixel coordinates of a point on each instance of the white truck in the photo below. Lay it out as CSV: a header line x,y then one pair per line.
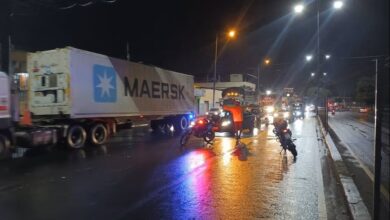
x,y
85,96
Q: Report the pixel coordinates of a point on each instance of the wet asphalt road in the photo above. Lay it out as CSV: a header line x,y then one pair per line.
x,y
141,176
355,132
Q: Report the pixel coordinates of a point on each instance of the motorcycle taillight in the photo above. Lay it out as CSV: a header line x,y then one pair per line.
x,y
201,122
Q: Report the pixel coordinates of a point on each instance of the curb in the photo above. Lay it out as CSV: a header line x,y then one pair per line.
x,y
356,205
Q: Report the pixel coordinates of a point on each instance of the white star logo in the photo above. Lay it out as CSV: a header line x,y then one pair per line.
x,y
105,85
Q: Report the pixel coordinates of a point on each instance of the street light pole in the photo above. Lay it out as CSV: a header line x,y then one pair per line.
x,y
377,144
215,67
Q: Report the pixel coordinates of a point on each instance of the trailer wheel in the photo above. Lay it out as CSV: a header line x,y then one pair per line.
x,y
76,137
98,134
181,123
5,145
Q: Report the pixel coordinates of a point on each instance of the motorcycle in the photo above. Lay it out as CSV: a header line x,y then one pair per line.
x,y
284,136
266,121
200,128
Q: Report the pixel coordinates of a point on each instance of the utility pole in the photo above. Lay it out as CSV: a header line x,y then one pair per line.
x,y
377,144
5,20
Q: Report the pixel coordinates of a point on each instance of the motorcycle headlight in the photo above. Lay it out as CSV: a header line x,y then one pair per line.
x,y
286,114
225,123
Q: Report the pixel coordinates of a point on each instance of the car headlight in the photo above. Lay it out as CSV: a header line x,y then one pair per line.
x,y
225,123
192,124
276,114
286,114
270,109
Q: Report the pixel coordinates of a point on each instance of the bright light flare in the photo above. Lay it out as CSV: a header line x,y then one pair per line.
x,y
309,57
312,74
338,4
298,9
327,56
232,33
270,109
325,74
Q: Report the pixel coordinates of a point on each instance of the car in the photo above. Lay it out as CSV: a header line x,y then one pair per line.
x,y
298,111
363,110
214,111
286,115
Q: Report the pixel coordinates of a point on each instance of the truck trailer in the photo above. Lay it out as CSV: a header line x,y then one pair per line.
x,y
85,96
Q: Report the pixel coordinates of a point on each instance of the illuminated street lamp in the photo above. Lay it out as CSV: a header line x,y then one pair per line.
x,y
327,56
312,74
308,58
298,9
268,92
231,34
338,4
267,62
324,74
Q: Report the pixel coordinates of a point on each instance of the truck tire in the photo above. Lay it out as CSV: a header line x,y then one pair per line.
x,y
181,123
76,137
98,134
158,126
5,145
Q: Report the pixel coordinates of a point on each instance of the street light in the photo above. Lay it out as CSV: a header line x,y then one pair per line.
x,y
324,74
298,9
268,92
308,58
267,62
327,56
312,74
231,34
338,4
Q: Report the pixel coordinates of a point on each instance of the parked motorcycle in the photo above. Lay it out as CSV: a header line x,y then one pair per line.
x,y
284,136
200,128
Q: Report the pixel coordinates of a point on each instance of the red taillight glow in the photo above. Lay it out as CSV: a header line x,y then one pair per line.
x,y
200,122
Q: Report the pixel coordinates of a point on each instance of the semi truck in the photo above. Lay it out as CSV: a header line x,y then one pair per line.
x,y
85,96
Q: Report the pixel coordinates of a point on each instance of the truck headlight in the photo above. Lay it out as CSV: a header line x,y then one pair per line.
x,y
270,109
225,123
286,114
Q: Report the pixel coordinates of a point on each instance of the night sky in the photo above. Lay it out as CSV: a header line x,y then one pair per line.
x,y
180,35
